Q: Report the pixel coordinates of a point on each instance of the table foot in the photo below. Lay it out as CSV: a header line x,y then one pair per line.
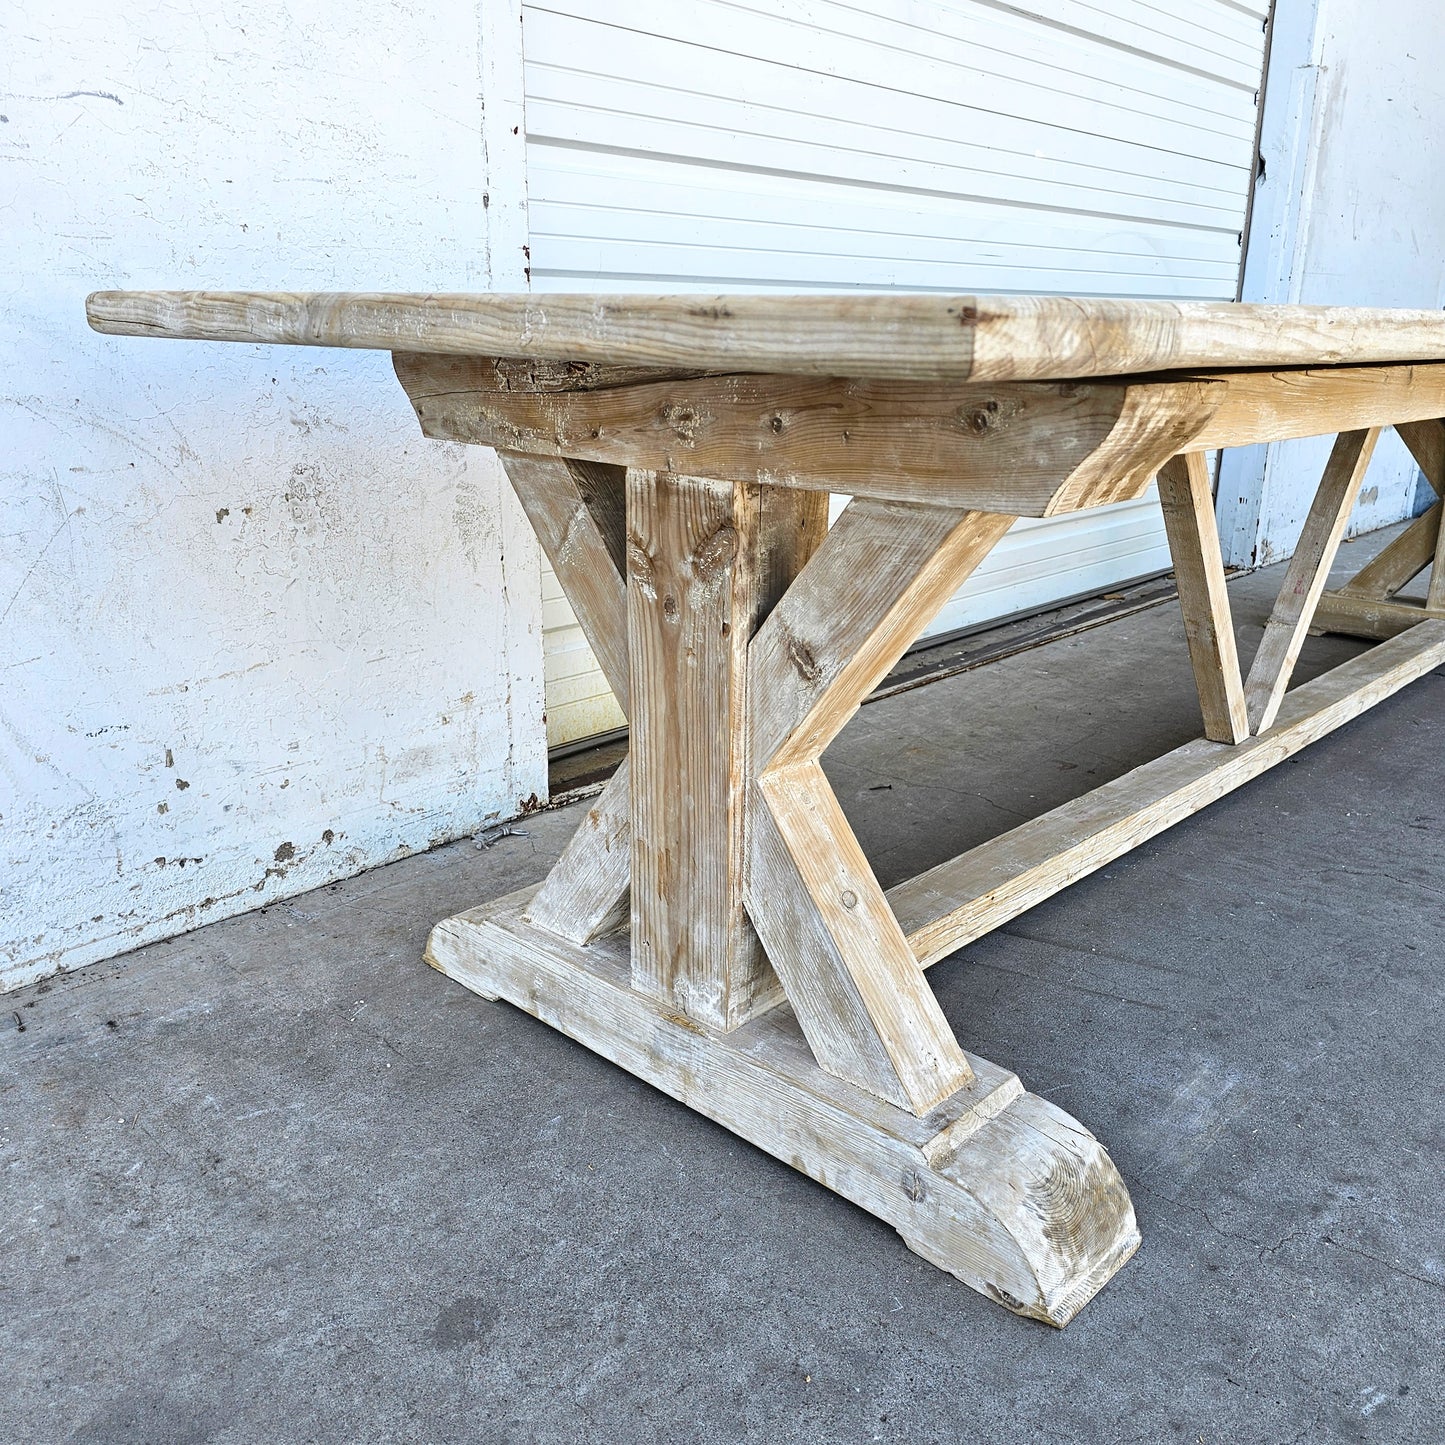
x,y
995,1185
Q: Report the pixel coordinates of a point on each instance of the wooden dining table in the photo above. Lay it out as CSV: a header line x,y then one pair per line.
x,y
714,926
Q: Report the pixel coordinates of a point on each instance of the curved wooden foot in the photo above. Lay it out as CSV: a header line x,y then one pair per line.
x,y
995,1185
1030,1211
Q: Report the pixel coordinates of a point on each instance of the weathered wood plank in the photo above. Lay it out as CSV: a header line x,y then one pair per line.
x,y
1404,558
1304,581
691,546
1375,618
1025,449
1264,406
896,335
845,965
997,1186
1188,505
968,896
847,969
585,894
705,560
827,644
1426,441
576,509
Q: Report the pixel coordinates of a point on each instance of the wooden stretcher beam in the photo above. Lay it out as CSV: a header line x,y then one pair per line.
x,y
961,900
1375,619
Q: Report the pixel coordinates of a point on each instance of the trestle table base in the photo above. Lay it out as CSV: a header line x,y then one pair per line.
x,y
997,1186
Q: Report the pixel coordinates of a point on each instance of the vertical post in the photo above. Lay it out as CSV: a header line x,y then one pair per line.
x,y
1188,504
705,563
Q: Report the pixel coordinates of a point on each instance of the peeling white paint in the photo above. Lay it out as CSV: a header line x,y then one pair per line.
x,y
256,633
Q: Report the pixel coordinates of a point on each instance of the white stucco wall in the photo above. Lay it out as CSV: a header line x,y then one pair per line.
x,y
1350,211
256,633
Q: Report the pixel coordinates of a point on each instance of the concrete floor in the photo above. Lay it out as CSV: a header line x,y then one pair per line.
x,y
278,1181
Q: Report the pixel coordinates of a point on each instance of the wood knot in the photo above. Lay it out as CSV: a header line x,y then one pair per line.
x,y
640,571
777,424
848,898
804,659
716,554
979,419
684,422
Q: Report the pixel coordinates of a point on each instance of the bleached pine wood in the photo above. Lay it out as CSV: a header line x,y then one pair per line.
x,y
704,561
858,992
1361,608
957,338
1435,593
1374,618
1304,581
1426,441
1012,406
1188,504
829,642
577,510
845,965
961,900
1025,449
586,892
1265,406
1404,558
1000,1188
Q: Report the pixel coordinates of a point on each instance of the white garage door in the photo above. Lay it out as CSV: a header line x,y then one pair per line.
x,y
1091,149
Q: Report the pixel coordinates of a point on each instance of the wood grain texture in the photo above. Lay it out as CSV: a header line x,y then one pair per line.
x,y
1359,608
1156,422
1187,500
576,510
1025,449
1403,559
997,1186
1304,581
705,560
1264,406
827,644
586,892
1426,441
1435,593
990,338
858,992
968,896
1374,618
846,968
